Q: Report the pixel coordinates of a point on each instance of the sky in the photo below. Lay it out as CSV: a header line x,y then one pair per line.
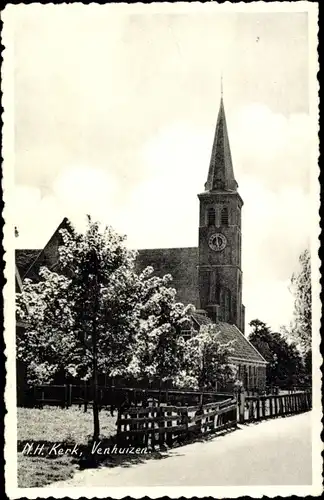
x,y
115,114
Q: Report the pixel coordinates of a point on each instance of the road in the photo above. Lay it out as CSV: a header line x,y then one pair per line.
x,y
274,452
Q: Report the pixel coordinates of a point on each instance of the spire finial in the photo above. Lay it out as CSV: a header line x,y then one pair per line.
x,y
221,84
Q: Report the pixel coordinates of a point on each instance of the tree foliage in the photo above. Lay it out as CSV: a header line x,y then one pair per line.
x,y
286,367
138,322
95,314
206,361
97,286
159,345
301,287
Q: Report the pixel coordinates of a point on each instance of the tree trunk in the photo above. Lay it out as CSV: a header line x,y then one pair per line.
x,y
160,390
96,424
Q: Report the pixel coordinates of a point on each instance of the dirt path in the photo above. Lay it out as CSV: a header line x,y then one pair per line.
x,y
275,452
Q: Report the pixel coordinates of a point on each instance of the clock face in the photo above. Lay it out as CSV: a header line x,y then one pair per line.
x,y
217,242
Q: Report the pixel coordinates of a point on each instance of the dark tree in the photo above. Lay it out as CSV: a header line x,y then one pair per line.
x,y
285,368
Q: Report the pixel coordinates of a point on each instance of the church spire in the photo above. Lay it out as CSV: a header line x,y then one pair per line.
x,y
220,174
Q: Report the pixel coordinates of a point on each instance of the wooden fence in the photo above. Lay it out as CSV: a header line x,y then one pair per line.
x,y
250,408
115,397
156,427
253,408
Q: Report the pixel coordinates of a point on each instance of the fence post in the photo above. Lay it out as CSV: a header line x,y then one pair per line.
x,y
258,408
85,400
263,402
70,395
161,425
169,436
241,403
66,397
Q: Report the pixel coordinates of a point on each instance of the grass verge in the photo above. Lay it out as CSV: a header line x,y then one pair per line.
x,y
54,426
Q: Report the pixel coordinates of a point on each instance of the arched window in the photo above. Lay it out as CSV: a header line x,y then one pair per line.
x,y
211,217
224,216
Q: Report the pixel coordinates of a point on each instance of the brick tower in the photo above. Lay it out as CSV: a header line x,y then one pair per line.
x,y
219,268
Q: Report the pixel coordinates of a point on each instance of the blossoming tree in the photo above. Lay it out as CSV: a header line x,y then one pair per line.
x,y
206,361
159,345
97,315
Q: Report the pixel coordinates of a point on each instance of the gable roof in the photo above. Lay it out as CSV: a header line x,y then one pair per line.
x,y
242,347
24,259
29,262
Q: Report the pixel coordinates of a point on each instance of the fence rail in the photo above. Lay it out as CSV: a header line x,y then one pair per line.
x,y
166,425
260,407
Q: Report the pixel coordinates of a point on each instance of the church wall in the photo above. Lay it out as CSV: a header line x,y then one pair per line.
x,y
181,263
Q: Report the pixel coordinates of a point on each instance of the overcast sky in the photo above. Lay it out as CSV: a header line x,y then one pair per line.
x,y
115,115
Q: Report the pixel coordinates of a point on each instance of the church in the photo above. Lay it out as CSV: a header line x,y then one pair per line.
x,y
208,276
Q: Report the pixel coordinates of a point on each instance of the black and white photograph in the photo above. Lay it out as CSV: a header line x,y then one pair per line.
x,y
161,236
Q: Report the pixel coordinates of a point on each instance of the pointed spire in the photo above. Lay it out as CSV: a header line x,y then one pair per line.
x,y
221,174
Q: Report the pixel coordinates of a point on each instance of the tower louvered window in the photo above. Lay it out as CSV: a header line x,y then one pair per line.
x,y
211,217
224,216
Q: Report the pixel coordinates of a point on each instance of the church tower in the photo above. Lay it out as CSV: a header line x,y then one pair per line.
x,y
219,269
